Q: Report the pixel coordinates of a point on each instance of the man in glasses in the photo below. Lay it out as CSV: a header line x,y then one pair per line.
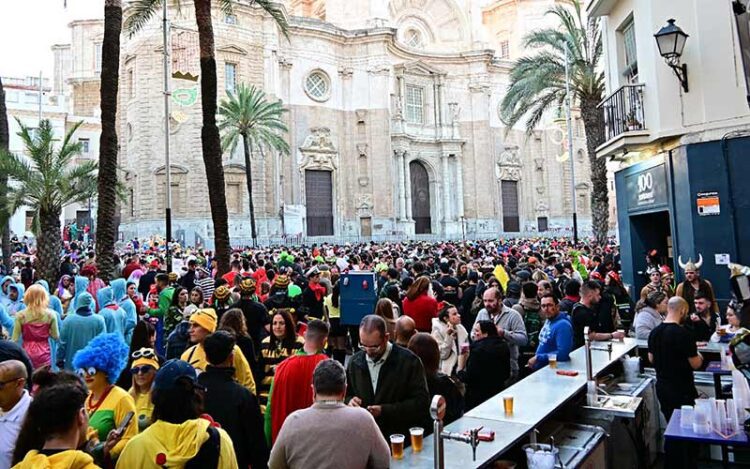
x,y
387,380
556,336
14,402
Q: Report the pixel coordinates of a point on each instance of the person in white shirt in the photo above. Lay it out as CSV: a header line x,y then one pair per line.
x,y
14,403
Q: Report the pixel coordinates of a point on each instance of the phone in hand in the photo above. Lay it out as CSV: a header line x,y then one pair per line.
x,y
125,422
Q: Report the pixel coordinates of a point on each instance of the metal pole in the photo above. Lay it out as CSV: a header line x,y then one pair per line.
x,y
570,144
41,93
167,168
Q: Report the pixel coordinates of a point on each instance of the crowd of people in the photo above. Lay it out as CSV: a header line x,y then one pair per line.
x,y
190,368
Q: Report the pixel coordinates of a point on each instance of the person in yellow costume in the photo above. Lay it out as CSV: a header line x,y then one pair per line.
x,y
99,364
143,370
178,435
56,426
203,323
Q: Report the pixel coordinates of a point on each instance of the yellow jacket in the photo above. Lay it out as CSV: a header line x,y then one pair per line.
x,y
70,459
177,442
196,356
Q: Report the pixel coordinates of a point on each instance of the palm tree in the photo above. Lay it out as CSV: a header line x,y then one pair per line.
x,y
249,115
143,11
107,180
45,181
4,215
537,83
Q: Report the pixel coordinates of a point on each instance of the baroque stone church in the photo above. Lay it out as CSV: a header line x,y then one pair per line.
x,y
393,124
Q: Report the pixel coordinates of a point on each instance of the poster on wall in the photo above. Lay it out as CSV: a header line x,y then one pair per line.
x,y
708,203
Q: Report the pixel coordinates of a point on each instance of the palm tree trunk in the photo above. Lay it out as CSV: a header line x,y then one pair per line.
x,y
249,180
210,140
107,179
49,245
593,122
4,146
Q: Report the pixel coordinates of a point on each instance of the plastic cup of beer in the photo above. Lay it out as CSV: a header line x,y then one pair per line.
x,y
552,357
417,434
622,331
508,405
397,446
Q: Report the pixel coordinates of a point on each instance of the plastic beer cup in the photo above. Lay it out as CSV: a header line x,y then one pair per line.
x,y
417,434
397,446
508,405
552,357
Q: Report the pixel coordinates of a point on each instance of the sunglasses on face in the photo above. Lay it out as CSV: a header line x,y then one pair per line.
x,y
83,372
136,370
144,353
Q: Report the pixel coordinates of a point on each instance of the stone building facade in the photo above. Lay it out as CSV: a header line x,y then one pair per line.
x,y
393,125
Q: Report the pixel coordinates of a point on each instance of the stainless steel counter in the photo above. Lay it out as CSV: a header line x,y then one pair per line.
x,y
535,399
459,455
711,347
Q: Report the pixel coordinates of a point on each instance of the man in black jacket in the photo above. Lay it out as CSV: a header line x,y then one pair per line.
x,y
230,404
387,380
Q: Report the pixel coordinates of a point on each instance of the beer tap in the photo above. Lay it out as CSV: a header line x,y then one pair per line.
x,y
437,412
591,387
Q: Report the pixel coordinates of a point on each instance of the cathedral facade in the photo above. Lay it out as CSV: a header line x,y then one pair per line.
x,y
393,125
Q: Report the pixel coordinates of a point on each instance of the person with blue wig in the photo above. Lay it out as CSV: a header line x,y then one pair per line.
x,y
78,329
99,364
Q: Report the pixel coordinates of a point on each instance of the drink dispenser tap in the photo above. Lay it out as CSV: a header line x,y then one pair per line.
x,y
437,412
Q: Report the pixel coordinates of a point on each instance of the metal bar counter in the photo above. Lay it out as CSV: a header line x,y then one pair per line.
x,y
542,393
536,398
710,347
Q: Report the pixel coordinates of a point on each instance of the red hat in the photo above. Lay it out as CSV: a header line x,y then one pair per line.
x,y
614,275
665,269
154,264
596,275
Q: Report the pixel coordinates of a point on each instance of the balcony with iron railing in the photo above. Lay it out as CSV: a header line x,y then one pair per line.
x,y
623,112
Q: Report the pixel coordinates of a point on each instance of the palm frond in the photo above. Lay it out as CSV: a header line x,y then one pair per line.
x,y
141,12
272,8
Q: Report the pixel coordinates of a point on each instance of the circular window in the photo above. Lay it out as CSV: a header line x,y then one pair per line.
x,y
318,85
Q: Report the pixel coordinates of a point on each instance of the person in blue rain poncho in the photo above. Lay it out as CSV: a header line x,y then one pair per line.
x,y
78,329
81,283
120,294
114,316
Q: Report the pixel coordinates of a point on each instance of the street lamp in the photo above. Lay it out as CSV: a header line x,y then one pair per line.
x,y
671,41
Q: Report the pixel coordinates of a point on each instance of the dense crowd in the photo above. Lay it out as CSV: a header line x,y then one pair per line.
x,y
189,368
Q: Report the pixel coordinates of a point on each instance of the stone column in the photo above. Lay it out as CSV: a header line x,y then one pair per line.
x,y
446,188
401,185
407,188
459,186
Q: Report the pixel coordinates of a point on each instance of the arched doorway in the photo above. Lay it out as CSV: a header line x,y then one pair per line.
x,y
420,198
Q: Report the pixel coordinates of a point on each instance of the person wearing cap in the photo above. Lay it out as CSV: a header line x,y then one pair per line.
x,y
178,434
222,300
202,323
78,329
147,279
313,294
143,371
256,315
235,408
278,298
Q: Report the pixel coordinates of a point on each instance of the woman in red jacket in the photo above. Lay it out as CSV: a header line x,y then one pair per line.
x,y
420,305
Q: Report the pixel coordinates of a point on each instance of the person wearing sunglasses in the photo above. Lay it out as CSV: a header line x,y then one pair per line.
x,y
143,370
99,364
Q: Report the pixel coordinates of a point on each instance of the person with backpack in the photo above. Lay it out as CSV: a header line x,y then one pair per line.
x,y
178,436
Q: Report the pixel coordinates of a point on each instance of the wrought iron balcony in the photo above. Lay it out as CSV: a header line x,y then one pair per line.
x,y
623,111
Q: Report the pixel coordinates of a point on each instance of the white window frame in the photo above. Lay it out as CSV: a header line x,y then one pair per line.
x,y
312,83
97,57
230,79
414,100
629,47
85,145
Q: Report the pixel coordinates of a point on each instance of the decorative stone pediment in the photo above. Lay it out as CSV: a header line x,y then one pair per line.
x,y
541,206
364,204
318,150
232,49
417,67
